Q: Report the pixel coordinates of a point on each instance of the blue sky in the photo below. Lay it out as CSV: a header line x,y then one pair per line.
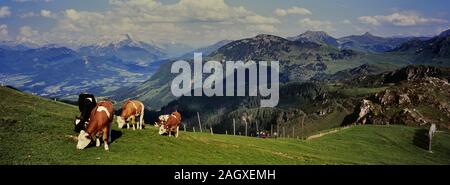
x,y
202,22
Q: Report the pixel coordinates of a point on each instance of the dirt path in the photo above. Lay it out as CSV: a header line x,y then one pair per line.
x,y
326,133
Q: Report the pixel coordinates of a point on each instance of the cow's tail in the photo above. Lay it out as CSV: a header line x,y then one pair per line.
x,y
141,118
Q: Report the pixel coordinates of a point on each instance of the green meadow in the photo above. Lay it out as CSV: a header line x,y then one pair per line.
x,y
34,130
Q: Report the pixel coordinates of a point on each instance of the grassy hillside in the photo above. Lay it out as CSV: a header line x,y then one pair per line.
x,y
37,131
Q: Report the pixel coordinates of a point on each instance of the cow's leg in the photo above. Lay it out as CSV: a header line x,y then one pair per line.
x,y
178,129
128,125
97,142
106,146
170,132
133,122
105,137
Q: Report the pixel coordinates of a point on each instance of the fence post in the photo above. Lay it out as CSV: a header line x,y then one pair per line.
x,y
271,130
199,122
193,129
234,127
245,127
303,120
257,129
293,132
278,133
184,127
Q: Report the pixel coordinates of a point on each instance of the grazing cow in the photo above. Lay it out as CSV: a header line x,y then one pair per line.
x,y
99,124
130,110
86,102
162,120
172,124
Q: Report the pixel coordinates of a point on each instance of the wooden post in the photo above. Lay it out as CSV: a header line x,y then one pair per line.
x,y
226,132
245,127
278,133
293,132
429,143
193,129
199,122
211,130
303,120
234,127
184,127
271,130
257,130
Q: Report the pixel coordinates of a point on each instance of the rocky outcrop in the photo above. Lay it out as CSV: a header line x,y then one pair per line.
x,y
370,113
416,102
410,117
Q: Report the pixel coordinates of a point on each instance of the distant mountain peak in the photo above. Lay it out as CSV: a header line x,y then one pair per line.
x,y
368,34
445,33
309,32
319,37
267,37
128,36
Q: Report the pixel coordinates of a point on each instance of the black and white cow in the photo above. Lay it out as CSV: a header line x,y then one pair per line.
x,y
86,102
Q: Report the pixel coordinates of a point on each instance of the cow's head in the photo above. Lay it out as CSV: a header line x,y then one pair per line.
x,y
162,130
120,121
83,140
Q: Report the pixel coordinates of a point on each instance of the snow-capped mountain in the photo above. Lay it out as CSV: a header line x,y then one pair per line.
x,y
127,49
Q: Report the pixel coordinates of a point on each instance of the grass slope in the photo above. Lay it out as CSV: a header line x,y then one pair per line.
x,y
34,131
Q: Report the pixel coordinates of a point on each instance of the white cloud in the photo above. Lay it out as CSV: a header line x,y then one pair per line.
x,y
72,14
400,19
316,25
28,14
4,11
263,28
346,21
43,13
369,20
4,32
292,10
150,20
46,13
27,32
24,1
257,19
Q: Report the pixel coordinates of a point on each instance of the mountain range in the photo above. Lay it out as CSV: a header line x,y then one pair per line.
x,y
326,84
58,71
366,42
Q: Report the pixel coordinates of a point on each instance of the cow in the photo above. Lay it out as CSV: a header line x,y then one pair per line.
x,y
162,119
130,110
86,102
172,124
100,123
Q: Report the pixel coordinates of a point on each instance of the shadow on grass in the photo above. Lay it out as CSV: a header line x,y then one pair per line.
x,y
421,138
115,134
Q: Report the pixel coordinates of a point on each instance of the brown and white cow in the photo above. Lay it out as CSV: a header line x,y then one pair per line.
x,y
172,124
99,124
162,119
130,110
